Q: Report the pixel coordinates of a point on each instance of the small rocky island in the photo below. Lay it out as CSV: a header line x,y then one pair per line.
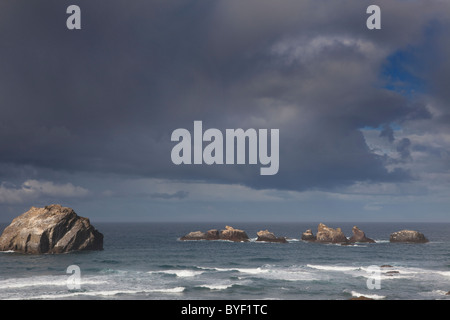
x,y
52,229
359,236
232,234
408,236
326,234
267,236
229,234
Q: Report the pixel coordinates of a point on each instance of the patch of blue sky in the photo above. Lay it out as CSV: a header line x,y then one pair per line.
x,y
402,73
405,70
394,126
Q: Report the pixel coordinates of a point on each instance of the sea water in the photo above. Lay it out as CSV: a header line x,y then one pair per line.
x,y
148,261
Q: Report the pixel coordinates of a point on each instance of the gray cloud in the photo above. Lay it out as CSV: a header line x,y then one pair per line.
x,y
104,100
177,195
34,190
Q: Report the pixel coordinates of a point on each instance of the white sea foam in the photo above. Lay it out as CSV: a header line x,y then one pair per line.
x,y
106,293
180,273
39,281
333,268
168,290
381,241
371,296
292,273
439,292
7,251
216,286
224,269
363,271
241,270
252,270
435,294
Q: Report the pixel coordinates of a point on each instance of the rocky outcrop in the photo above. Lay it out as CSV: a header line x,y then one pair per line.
x,y
229,234
212,234
409,236
232,234
329,235
359,236
194,235
392,272
52,229
308,235
361,298
267,236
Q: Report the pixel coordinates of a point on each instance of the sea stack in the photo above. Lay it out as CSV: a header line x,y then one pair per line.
x,y
233,234
409,236
308,235
359,236
267,236
52,229
326,234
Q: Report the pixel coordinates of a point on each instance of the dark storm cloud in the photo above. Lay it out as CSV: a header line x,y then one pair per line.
x,y
387,132
403,147
106,98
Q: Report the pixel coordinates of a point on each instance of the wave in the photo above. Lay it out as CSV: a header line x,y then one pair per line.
x,y
107,293
293,273
395,272
216,286
179,273
41,281
252,270
7,251
333,268
371,296
365,271
444,273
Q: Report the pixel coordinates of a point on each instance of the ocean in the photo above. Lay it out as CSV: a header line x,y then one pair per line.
x,y
148,261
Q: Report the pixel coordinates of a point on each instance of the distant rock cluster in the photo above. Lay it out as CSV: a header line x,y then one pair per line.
x,y
229,234
324,234
232,234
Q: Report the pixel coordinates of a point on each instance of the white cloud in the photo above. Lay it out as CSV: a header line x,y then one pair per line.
x,y
34,189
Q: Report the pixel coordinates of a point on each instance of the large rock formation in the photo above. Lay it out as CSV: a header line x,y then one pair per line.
x,y
267,236
52,229
229,233
408,236
359,236
308,235
329,235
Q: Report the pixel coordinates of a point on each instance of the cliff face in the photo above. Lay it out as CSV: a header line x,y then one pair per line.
x,y
52,229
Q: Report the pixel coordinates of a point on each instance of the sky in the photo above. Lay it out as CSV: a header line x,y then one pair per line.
x,y
86,116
